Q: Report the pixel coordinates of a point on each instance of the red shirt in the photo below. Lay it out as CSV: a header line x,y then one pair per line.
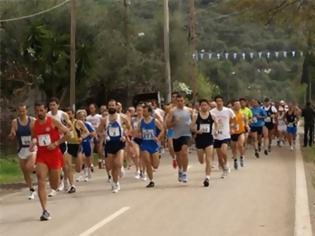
x,y
45,133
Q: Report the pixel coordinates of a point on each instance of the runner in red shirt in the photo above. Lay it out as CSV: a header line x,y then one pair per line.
x,y
49,161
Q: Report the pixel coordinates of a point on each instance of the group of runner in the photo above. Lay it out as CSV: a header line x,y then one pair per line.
x,y
50,142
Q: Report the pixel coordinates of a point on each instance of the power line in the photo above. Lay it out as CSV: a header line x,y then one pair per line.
x,y
35,14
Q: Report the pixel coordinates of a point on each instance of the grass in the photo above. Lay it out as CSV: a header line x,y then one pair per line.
x,y
309,156
10,170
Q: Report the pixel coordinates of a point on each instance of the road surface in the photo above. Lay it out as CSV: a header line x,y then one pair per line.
x,y
257,200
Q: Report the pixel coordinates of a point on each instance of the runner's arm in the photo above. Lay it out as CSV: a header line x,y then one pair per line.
x,y
13,129
62,129
83,129
161,128
169,119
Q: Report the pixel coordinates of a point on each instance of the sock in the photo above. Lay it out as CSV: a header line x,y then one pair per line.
x,y
208,177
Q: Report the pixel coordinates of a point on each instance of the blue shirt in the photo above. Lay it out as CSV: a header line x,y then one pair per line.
x,y
259,115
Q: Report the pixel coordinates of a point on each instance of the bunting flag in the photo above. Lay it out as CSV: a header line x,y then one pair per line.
x,y
247,55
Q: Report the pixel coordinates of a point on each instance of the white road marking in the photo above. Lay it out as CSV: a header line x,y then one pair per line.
x,y
302,226
104,222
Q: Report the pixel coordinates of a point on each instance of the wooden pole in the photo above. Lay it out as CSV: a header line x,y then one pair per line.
x,y
168,82
192,43
72,53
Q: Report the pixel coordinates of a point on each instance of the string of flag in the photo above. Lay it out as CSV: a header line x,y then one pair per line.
x,y
203,55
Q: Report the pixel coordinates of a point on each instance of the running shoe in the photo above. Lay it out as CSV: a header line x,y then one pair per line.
x,y
291,148
206,182
80,178
143,176
115,188
242,161
137,175
45,216
184,177
269,149
223,174
180,176
32,195
92,167
52,193
235,164
150,185
72,189
266,152
61,186
256,154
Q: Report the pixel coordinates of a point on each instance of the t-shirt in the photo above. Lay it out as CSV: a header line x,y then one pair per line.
x,y
222,117
259,115
95,120
248,113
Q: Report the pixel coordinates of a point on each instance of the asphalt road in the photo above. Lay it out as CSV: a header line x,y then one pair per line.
x,y
256,200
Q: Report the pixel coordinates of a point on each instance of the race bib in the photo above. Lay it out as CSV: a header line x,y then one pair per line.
x,y
205,128
26,140
255,119
267,119
113,132
148,134
44,140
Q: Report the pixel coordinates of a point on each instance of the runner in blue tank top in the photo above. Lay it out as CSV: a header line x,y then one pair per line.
x,y
114,126
150,144
21,130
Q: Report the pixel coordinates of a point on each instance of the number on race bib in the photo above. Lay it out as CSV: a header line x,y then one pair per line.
x,y
205,128
26,140
148,134
113,131
44,140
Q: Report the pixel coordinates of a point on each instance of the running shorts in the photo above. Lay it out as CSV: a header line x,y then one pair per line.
x,y
170,133
73,149
52,159
63,148
256,129
234,137
24,153
203,143
178,143
282,128
86,149
218,143
152,148
269,125
292,130
112,147
137,141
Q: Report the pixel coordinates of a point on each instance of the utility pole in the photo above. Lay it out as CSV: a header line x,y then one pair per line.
x,y
192,44
72,53
126,31
168,82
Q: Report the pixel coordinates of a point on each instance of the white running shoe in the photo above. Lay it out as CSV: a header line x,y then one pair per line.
x,y
291,148
61,186
80,178
32,195
115,187
137,175
52,193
